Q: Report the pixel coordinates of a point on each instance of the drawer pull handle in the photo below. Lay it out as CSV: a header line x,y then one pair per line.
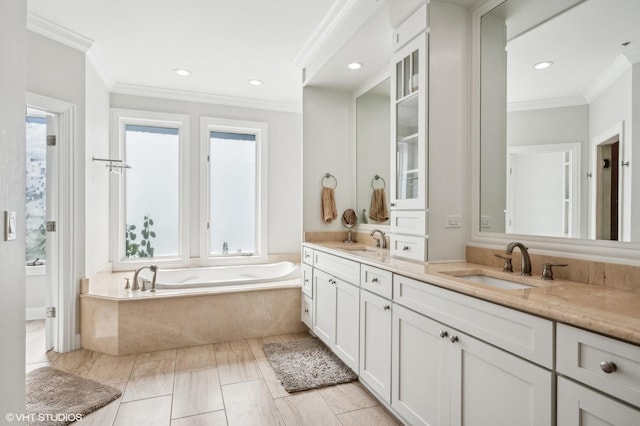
x,y
374,280
453,339
386,307
306,311
443,334
405,248
608,366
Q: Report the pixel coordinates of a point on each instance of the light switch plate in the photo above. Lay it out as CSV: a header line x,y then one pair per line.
x,y
9,225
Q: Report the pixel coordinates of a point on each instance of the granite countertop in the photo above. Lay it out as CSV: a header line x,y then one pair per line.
x,y
607,311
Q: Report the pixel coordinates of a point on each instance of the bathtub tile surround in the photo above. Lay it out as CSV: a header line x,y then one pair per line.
x,y
608,275
198,396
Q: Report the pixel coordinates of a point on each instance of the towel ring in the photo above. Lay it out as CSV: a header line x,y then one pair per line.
x,y
329,176
375,178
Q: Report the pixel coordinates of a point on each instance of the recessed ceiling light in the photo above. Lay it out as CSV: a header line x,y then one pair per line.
x,y
543,65
182,72
255,82
354,65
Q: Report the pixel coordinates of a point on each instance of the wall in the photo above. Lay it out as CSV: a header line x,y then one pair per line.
x,y
493,123
556,125
611,107
448,130
284,188
12,171
634,155
97,177
328,148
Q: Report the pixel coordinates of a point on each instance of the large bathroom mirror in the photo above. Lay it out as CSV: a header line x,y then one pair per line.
x,y
559,97
372,154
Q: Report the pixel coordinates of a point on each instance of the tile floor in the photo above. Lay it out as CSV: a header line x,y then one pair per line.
x,y
228,383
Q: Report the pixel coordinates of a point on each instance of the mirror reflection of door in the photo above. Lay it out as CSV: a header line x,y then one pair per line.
x,y
542,190
607,187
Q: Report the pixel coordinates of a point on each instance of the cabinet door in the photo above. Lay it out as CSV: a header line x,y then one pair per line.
x,y
347,320
409,118
324,302
419,370
581,406
490,386
375,344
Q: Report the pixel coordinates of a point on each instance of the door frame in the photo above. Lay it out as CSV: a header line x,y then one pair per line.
x,y
61,330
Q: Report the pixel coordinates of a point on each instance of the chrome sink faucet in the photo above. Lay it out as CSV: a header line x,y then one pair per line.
x,y
380,242
526,260
136,286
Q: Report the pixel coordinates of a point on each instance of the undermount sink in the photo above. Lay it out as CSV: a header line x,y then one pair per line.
x,y
491,281
363,251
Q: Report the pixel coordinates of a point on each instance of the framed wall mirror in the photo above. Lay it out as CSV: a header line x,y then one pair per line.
x,y
373,115
559,97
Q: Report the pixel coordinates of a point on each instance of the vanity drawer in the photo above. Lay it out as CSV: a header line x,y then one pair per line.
x,y
307,255
414,25
307,280
581,354
525,335
409,247
376,280
337,266
412,222
306,311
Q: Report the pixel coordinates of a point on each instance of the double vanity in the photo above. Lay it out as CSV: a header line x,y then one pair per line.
x,y
462,343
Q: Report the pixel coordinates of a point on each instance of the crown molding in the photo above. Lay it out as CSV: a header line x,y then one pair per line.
x,y
337,14
611,74
546,103
56,32
207,98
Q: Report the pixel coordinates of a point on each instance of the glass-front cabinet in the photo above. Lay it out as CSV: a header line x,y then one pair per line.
x,y
409,82
409,123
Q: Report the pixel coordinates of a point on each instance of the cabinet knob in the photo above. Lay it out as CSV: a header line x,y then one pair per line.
x,y
374,280
405,248
608,366
306,255
443,333
453,339
386,307
392,204
332,281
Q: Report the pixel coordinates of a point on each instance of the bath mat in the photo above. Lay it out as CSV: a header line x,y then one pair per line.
x,y
58,398
306,364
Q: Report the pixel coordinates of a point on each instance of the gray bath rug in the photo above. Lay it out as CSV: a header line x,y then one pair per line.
x,y
58,398
306,364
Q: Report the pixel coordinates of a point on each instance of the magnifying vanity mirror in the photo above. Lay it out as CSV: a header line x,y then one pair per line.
x,y
372,150
559,98
349,220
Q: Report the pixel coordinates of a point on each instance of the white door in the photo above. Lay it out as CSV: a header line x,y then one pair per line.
x,y
420,384
347,320
543,190
324,303
492,387
375,343
51,294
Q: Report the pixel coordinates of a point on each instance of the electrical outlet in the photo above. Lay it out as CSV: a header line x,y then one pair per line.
x,y
453,221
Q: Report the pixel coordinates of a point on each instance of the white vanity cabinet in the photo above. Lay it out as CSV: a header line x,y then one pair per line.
x,y
408,191
609,372
444,376
375,330
336,304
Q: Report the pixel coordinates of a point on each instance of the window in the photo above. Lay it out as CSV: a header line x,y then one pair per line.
x,y
36,189
233,189
151,195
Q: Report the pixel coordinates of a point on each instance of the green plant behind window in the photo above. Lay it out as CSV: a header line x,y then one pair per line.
x,y
144,247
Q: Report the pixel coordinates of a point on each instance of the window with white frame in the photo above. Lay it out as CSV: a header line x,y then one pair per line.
x,y
233,189
150,197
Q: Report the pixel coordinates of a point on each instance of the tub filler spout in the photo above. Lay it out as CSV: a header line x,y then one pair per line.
x,y
136,286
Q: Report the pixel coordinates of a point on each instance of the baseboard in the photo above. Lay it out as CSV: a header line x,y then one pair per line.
x,y
35,313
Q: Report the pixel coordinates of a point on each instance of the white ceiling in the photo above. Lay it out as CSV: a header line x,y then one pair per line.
x,y
585,44
223,42
137,44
